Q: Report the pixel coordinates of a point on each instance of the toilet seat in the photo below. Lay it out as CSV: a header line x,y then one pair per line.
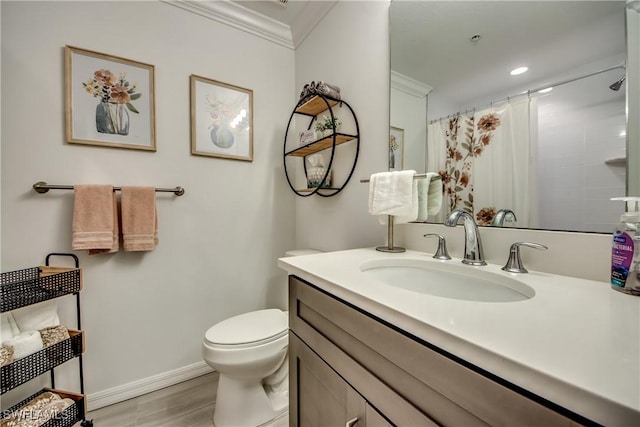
x,y
248,329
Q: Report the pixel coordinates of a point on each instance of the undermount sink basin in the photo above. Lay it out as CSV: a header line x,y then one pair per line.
x,y
448,280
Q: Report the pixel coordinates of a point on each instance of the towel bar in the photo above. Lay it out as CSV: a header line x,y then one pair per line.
x,y
390,247
42,187
416,176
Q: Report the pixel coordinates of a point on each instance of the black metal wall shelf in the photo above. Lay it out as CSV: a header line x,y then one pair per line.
x,y
321,144
312,106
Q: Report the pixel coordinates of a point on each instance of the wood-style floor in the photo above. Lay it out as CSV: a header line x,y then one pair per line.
x,y
188,404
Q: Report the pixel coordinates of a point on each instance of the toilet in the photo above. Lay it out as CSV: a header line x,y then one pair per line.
x,y
249,351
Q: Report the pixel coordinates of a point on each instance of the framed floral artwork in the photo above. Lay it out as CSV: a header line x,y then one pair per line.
x,y
109,101
221,120
396,149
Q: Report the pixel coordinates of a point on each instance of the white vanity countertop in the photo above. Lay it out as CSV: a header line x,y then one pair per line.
x,y
575,343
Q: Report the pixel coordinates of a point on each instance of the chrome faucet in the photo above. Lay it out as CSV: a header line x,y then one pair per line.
x,y
514,263
441,252
503,214
473,254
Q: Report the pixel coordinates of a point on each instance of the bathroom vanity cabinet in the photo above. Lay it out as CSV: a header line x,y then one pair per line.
x,y
348,367
22,288
311,107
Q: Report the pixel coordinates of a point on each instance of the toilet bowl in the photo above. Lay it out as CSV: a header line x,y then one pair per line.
x,y
250,352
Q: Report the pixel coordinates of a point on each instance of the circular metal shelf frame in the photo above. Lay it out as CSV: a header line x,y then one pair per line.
x,y
336,139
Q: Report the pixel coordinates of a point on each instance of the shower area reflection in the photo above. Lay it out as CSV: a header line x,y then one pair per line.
x,y
569,154
555,156
581,154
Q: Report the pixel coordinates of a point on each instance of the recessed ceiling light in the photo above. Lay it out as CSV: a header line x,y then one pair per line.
x,y
545,90
519,70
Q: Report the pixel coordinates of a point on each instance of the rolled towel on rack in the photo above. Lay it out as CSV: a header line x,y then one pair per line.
x,y
6,355
330,86
9,329
323,89
305,91
30,415
53,335
24,344
53,410
37,316
328,89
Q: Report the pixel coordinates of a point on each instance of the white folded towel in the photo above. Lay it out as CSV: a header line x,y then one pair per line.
x,y
434,194
429,196
394,193
9,329
24,344
38,316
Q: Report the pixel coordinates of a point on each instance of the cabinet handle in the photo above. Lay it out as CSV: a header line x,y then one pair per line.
x,y
352,422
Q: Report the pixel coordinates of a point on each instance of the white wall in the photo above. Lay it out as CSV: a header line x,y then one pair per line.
x,y
146,313
408,111
350,48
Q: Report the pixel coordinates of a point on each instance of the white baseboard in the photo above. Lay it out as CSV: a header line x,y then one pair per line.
x,y
146,385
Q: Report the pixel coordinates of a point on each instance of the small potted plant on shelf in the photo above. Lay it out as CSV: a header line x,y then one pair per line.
x,y
325,126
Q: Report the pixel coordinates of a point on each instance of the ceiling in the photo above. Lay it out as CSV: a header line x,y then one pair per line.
x,y
296,18
430,42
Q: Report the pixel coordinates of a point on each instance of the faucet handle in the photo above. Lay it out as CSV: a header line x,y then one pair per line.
x,y
514,263
441,252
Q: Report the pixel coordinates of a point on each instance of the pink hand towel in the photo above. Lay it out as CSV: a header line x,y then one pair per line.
x,y
95,219
139,218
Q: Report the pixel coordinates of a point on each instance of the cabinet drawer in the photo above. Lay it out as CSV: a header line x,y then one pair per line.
x,y
447,391
323,395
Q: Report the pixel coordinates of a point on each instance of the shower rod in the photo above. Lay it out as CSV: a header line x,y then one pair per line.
x,y
42,187
530,91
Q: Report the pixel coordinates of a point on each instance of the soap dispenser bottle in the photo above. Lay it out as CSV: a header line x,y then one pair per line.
x,y
625,249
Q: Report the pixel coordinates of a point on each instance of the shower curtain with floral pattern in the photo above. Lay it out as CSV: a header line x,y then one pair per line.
x,y
485,161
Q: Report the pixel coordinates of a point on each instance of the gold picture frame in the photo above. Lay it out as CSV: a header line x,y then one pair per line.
x,y
221,119
109,100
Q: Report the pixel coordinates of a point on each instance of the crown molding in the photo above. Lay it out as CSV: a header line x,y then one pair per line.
x,y
239,17
306,21
409,85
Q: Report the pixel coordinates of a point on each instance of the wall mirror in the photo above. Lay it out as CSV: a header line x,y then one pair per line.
x,y
549,144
